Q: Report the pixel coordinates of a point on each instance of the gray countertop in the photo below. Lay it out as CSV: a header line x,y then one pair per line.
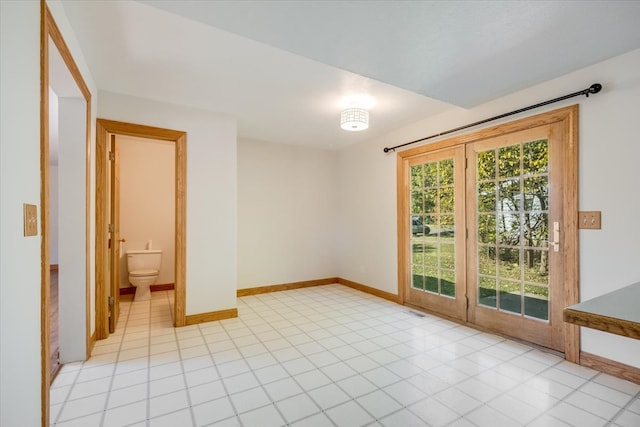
x,y
622,304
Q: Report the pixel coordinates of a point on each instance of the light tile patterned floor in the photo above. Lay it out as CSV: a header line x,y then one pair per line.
x,y
327,356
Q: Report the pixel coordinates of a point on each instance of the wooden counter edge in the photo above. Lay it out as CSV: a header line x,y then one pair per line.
x,y
613,325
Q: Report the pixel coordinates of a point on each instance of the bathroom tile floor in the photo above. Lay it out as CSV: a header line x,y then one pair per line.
x,y
327,356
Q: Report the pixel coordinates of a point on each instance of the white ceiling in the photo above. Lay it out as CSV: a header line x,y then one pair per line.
x,y
285,69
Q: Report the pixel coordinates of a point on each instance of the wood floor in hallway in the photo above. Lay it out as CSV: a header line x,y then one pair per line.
x,y
54,334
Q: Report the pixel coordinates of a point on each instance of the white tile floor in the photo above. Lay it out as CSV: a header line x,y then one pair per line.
x,y
327,356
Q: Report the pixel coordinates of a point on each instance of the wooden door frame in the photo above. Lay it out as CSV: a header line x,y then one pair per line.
x,y
568,117
105,127
49,30
114,246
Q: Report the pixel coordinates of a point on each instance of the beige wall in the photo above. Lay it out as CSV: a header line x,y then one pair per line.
x,y
286,213
147,201
53,214
53,179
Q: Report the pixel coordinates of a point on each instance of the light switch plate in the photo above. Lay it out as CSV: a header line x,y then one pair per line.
x,y
30,220
589,220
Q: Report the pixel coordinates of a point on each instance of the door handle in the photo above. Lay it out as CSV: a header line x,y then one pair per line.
x,y
556,236
123,240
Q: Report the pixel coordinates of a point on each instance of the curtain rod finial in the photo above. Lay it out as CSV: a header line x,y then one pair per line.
x,y
595,88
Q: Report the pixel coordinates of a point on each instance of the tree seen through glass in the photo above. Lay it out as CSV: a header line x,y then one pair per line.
x,y
512,226
432,227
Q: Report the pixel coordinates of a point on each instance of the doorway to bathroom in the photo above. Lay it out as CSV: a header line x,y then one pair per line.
x,y
140,204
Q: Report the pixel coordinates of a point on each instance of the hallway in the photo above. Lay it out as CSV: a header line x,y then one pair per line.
x,y
54,333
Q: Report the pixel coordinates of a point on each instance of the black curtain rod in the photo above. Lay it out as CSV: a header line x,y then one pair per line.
x,y
594,88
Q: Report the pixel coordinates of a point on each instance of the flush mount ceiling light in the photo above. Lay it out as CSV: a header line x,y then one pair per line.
x,y
354,119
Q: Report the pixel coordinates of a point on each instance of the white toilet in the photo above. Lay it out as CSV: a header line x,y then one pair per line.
x,y
144,267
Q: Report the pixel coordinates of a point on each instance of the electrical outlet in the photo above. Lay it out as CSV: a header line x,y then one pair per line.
x,y
30,220
589,220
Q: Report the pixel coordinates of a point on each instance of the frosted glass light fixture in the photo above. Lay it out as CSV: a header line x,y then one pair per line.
x,y
354,119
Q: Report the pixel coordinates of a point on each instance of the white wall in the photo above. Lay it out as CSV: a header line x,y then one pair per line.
x,y
53,214
609,154
72,275
20,361
286,213
19,255
53,178
147,201
211,193
609,151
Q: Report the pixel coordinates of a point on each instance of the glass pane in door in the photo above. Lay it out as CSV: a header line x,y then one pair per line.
x,y
512,224
433,227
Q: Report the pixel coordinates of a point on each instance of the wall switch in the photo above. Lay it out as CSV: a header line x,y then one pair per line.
x,y
589,219
30,220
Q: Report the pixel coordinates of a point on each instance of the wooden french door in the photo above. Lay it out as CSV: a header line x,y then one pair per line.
x,y
487,229
434,218
514,217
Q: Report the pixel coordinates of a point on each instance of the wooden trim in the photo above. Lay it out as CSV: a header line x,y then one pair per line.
x,y
402,188
103,129
611,367
373,291
114,221
541,119
141,131
212,316
102,235
162,287
90,335
626,328
153,288
45,368
571,244
285,287
55,372
319,282
56,36
92,344
180,262
49,30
